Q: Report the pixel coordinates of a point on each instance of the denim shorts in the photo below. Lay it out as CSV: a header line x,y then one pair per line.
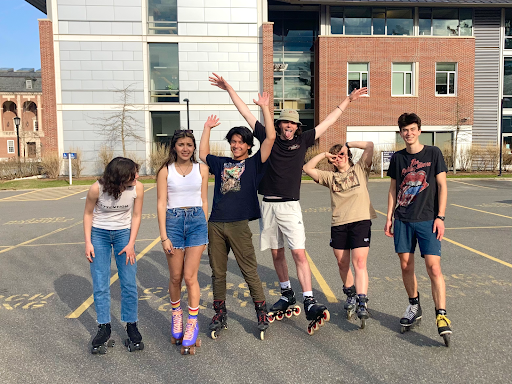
x,y
186,227
407,234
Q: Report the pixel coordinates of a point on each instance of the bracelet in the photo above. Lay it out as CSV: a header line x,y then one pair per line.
x,y
165,240
339,108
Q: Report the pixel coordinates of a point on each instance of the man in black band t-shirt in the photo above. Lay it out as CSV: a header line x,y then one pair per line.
x,y
417,201
280,187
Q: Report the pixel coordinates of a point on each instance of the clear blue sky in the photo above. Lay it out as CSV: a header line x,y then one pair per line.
x,y
19,30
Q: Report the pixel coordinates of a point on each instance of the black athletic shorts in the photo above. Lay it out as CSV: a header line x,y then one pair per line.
x,y
351,235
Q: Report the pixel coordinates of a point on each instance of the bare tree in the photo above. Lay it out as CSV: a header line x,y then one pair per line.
x,y
121,125
459,132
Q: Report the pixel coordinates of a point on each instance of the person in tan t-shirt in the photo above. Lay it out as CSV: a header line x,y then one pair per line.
x,y
351,223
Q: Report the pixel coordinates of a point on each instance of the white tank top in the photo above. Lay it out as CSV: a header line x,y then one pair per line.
x,y
112,214
184,191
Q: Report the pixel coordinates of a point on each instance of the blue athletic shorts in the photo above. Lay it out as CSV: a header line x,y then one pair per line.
x,y
407,234
186,227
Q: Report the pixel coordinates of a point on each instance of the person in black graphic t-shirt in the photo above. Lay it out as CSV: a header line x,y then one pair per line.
x,y
417,201
235,203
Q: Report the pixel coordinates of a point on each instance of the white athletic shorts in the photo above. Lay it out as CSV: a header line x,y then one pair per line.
x,y
279,220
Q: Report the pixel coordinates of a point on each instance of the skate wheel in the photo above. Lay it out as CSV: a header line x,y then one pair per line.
x,y
297,311
316,327
270,318
310,331
141,346
192,350
131,347
403,329
183,351
363,323
111,343
279,316
262,335
446,338
213,335
198,343
288,313
327,315
321,322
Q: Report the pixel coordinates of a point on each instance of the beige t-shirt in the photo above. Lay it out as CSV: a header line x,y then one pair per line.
x,y
350,200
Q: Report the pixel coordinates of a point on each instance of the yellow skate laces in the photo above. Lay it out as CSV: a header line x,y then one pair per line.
x,y
189,332
442,321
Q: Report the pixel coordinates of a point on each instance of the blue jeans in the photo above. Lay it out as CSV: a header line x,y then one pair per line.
x,y
104,241
186,227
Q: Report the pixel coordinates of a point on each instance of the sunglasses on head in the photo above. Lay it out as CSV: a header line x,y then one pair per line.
x,y
178,131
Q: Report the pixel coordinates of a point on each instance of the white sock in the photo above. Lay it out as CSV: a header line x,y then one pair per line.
x,y
285,284
306,294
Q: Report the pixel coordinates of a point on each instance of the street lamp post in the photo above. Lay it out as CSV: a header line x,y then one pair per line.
x,y
188,114
17,124
500,139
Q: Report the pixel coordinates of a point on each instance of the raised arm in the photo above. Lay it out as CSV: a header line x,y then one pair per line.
x,y
367,147
310,166
204,144
270,132
90,202
219,81
391,208
334,115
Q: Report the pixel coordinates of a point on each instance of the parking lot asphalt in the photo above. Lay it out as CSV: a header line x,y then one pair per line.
x,y
47,317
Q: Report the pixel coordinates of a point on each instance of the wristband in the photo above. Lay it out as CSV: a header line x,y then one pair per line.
x,y
440,217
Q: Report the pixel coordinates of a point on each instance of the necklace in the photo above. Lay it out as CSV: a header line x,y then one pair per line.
x,y
183,173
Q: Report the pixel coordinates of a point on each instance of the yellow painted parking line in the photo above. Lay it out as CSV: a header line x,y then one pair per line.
x,y
329,295
473,185
478,210
150,188
57,244
15,196
479,253
71,194
87,303
39,237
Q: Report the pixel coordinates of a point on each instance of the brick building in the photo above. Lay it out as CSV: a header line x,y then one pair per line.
x,y
449,61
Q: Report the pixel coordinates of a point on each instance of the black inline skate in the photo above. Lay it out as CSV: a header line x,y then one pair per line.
x,y
362,310
261,313
286,306
351,303
134,341
412,315
316,313
220,318
102,340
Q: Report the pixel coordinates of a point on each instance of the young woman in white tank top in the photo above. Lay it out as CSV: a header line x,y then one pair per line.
x,y
182,206
112,215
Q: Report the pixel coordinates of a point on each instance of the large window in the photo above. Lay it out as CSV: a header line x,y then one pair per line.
x,y
508,28
10,146
445,21
507,83
446,78
162,17
164,80
357,76
371,21
294,37
439,139
402,79
164,125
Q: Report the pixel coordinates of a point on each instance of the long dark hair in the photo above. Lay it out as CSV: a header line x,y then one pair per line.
x,y
335,149
117,173
298,132
173,156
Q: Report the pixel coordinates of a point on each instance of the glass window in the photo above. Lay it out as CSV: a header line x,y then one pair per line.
x,y
399,21
445,21
426,138
443,139
379,21
164,124
337,20
507,125
446,75
402,79
358,21
28,84
507,83
508,28
425,21
466,22
10,146
357,76
162,17
164,80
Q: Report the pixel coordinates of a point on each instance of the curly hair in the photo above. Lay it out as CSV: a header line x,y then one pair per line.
x,y
117,173
335,149
173,156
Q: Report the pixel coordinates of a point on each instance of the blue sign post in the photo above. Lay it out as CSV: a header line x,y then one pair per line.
x,y
69,156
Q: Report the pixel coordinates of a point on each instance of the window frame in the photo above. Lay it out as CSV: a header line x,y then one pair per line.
x,y
448,94
173,94
9,151
28,84
412,72
360,76
151,24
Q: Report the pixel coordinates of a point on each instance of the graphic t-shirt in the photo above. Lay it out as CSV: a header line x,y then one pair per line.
x,y
350,200
285,164
236,183
416,187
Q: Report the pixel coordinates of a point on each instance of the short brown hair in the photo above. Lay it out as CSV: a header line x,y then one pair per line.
x,y
406,119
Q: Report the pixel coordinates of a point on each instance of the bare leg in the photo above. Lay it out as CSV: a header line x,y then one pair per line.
x,y
192,260
433,264
343,258
408,276
359,257
280,264
303,269
175,264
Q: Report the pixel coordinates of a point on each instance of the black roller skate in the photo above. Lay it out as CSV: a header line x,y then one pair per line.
x,y
220,318
443,326
261,313
286,306
134,341
102,340
316,313
350,304
362,310
412,315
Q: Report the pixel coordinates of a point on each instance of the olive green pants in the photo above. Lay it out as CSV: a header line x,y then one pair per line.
x,y
236,236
